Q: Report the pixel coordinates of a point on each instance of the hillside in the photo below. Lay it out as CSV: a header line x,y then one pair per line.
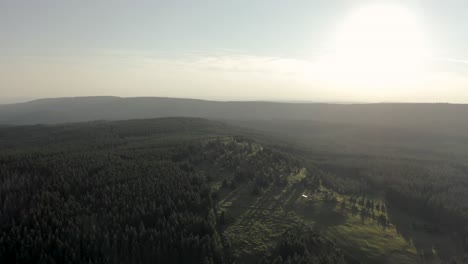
x,y
180,190
437,118
136,192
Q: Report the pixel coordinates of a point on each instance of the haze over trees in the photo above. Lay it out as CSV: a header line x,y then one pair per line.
x,y
324,132
428,118
189,190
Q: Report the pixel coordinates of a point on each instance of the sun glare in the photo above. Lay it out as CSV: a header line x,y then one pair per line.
x,y
379,45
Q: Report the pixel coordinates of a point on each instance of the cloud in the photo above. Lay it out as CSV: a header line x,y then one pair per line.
x,y
452,60
228,75
247,65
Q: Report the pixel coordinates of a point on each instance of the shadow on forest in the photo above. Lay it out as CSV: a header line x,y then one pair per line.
x,y
328,213
263,202
422,235
274,200
322,213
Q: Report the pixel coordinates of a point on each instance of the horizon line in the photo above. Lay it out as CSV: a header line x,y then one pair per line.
x,y
27,99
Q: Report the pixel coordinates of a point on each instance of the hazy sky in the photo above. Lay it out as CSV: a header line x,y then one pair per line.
x,y
274,50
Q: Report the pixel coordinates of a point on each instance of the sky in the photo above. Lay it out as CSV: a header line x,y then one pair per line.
x,y
350,51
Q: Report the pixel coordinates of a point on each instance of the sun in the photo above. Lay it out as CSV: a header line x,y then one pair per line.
x,y
378,45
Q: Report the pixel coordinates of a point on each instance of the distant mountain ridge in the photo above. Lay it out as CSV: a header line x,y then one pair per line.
x,y
432,116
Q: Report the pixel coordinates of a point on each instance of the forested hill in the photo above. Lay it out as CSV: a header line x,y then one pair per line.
x,y
423,117
190,190
144,191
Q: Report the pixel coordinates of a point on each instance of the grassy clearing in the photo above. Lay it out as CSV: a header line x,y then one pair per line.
x,y
365,238
372,243
296,177
255,231
258,221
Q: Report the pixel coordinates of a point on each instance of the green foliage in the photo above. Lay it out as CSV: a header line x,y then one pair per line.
x,y
299,244
107,193
185,190
123,192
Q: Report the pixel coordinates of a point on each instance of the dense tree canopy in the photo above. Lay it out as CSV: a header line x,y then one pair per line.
x,y
131,192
